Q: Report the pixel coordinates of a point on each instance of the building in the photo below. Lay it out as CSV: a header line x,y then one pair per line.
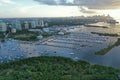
x,y
37,23
16,24
46,24
26,25
35,30
9,27
42,24
61,33
13,30
46,29
40,37
3,27
33,24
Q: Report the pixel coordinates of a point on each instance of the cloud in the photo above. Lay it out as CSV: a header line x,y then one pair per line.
x,y
56,2
7,1
86,10
99,4
48,2
92,4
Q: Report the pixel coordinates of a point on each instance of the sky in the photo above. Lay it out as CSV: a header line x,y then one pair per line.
x,y
58,8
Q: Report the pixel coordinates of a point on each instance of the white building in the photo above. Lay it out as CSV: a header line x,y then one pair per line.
x,y
35,30
46,29
42,23
3,27
61,33
13,30
40,37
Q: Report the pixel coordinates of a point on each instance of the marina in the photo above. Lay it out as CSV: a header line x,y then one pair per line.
x,y
80,44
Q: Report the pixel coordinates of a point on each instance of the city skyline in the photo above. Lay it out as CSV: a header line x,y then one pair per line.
x,y
58,8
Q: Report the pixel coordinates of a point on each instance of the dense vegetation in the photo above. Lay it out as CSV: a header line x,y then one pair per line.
x,y
105,50
55,68
1,35
24,35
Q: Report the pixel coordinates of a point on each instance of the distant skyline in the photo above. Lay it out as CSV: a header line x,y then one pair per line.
x,y
58,8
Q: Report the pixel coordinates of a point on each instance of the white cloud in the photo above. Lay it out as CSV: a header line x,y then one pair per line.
x,y
7,2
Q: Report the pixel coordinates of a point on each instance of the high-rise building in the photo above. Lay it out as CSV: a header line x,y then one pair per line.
x,y
46,24
26,25
33,24
3,27
16,24
42,23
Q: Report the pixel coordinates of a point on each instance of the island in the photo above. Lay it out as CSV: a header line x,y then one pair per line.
x,y
106,34
105,50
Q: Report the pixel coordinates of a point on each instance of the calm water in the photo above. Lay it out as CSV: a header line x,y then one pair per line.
x,y
79,45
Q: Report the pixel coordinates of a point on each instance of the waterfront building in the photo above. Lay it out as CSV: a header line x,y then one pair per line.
x,y
42,23
40,37
37,23
33,24
3,27
61,33
16,25
13,30
9,27
35,30
46,24
26,25
46,29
